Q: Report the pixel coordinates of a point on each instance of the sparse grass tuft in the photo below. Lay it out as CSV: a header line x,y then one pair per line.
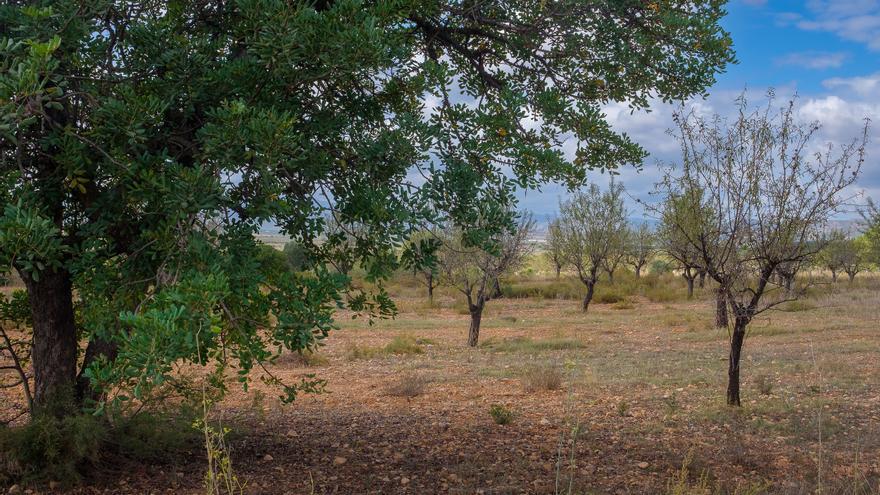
x,y
401,345
305,359
796,306
538,378
764,384
623,305
408,385
525,344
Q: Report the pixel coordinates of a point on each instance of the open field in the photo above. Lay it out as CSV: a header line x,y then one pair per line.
x,y
614,401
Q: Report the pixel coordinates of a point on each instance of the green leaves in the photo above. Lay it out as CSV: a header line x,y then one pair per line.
x,y
29,241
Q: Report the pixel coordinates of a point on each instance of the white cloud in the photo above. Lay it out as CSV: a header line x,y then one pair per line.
x,y
864,86
853,20
814,60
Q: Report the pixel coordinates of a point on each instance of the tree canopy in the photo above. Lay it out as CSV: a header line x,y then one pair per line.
x,y
142,144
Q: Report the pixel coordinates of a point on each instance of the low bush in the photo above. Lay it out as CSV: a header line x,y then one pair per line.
x,y
64,449
500,414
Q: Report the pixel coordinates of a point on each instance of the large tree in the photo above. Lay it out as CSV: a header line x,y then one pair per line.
x,y
143,143
768,194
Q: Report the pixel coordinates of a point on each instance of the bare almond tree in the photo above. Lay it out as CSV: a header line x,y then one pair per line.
x,y
590,221
770,192
472,270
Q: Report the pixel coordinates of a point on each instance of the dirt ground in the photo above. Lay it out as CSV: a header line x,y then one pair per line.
x,y
639,407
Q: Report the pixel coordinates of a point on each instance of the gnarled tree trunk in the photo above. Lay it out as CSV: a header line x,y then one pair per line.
x,y
55,343
720,309
736,344
476,311
589,297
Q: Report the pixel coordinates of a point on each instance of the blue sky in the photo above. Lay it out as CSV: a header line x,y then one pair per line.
x,y
827,52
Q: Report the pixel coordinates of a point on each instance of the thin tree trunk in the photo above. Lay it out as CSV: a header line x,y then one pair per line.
x,y
736,344
430,289
55,345
589,296
720,309
476,317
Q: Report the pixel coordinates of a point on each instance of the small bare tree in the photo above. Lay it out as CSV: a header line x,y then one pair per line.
x,y
473,270
590,221
421,253
641,246
770,193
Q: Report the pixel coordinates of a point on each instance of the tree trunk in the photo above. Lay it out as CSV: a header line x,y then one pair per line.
x,y
97,347
690,282
476,317
430,289
736,344
589,296
720,309
55,345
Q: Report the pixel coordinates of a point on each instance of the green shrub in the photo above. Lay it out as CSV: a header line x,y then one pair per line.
x,y
63,449
609,295
51,449
500,414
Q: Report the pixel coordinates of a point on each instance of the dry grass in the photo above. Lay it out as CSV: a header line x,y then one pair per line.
x,y
543,377
647,385
408,385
